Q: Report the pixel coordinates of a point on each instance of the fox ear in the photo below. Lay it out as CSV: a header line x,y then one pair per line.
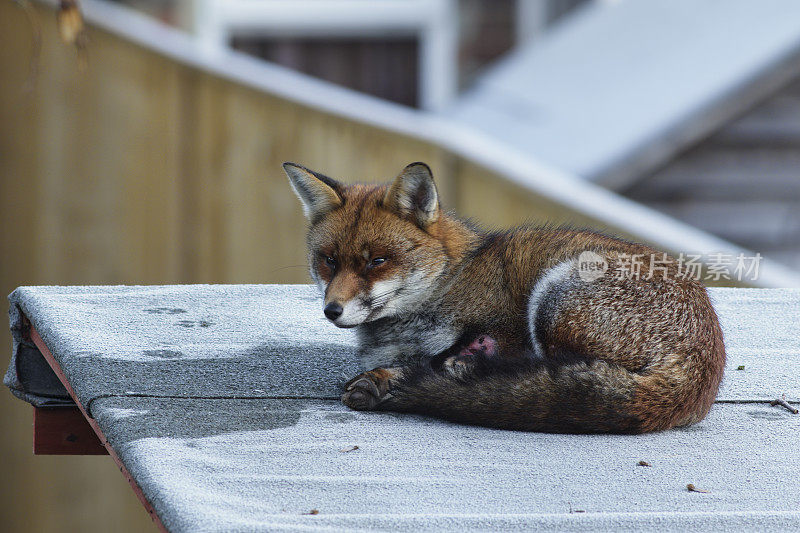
x,y
413,194
319,194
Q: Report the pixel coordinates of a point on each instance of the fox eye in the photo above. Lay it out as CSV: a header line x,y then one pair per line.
x,y
330,261
377,261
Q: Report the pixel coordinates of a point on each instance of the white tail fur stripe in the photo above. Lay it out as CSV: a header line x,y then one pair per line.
x,y
553,276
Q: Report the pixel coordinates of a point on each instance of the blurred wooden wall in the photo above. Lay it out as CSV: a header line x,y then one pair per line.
x,y
143,171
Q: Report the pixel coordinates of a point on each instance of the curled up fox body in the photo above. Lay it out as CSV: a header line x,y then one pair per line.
x,y
504,329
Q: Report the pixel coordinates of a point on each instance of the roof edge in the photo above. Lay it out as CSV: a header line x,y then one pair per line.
x,y
697,124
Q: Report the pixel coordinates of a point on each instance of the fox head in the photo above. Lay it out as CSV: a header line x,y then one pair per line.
x,y
374,250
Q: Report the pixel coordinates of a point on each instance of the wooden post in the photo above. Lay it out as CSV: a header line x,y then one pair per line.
x,y
64,431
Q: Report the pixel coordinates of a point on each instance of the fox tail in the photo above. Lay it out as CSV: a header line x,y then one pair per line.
x,y
538,395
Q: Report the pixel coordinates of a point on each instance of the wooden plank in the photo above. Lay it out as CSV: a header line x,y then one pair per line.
x,y
713,172
64,431
753,223
775,122
498,204
48,355
106,216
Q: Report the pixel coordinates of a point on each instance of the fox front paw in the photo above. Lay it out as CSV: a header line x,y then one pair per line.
x,y
366,391
459,365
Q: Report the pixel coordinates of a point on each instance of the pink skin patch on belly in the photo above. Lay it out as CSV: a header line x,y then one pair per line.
x,y
482,344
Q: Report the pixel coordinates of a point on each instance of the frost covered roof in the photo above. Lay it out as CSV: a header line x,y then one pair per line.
x,y
221,402
619,87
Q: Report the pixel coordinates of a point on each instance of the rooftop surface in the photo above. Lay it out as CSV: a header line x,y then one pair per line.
x,y
221,401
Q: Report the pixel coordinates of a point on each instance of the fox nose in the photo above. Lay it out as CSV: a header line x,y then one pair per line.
x,y
333,311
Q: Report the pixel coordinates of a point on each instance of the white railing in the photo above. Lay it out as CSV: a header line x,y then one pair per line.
x,y
433,22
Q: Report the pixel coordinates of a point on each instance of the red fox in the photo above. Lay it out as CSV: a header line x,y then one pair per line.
x,y
506,329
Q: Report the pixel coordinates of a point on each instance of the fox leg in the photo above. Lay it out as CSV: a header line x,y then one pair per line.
x,y
366,391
